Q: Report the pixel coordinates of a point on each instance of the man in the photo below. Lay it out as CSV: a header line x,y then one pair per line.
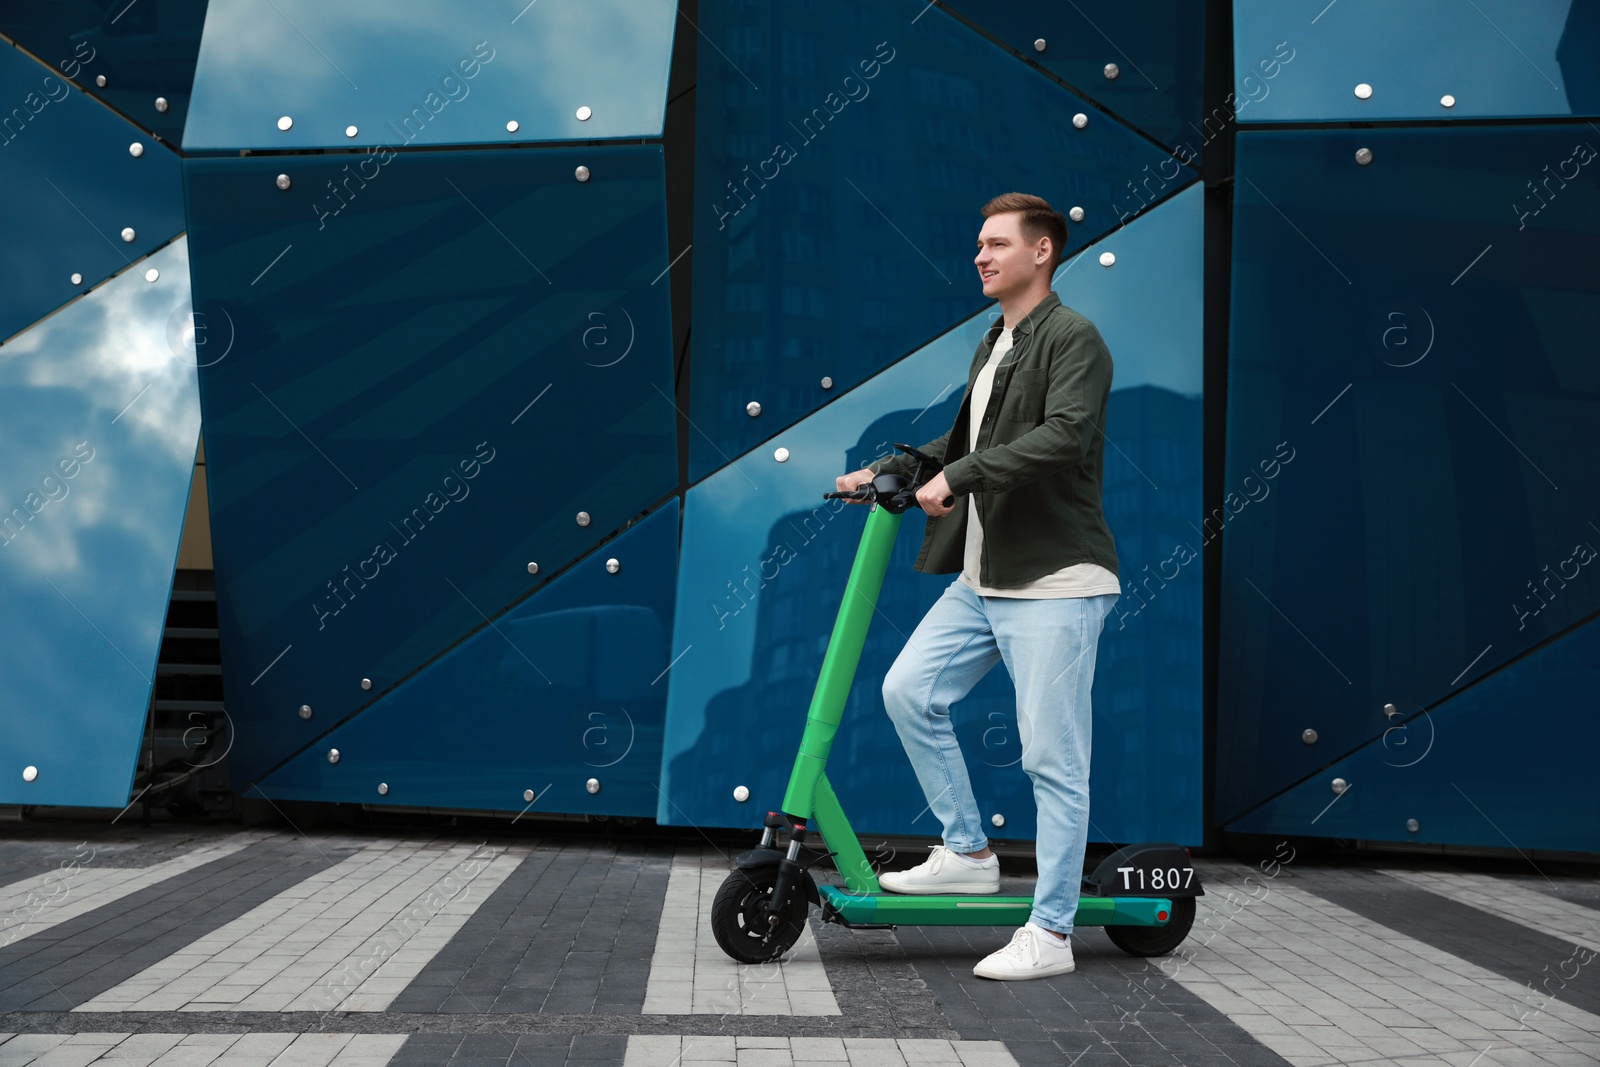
x,y
1038,578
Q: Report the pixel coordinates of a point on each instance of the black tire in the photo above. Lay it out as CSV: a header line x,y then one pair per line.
x,y
738,921
1156,940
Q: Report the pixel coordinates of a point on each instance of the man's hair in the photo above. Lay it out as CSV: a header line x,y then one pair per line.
x,y
1039,219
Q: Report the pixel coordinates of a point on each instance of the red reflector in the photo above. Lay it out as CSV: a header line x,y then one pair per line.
x,y
1161,916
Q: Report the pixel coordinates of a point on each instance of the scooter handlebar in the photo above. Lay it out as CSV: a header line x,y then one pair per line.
x,y
903,496
927,467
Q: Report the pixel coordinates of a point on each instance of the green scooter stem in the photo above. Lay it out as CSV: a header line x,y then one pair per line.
x,y
839,667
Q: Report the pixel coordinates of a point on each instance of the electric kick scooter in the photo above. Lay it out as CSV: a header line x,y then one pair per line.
x,y
1142,894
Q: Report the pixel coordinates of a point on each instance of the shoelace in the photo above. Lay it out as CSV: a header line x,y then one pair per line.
x,y
1023,946
935,862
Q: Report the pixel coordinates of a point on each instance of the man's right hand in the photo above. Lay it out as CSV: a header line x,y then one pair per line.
x,y
847,483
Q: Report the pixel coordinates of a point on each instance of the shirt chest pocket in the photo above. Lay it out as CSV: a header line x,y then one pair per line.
x,y
1025,397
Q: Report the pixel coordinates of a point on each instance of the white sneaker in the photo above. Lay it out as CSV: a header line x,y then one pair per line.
x,y
946,872
1034,952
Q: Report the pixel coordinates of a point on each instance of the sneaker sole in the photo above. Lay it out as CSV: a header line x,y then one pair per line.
x,y
1017,976
965,889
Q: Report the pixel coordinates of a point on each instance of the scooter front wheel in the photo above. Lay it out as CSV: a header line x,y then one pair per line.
x,y
1156,940
740,919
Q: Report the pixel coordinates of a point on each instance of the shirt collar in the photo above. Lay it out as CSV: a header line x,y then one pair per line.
x,y
1029,321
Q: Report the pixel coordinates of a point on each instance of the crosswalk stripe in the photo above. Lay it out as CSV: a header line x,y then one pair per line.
x,y
349,937
693,1051
1308,979
33,905
1560,919
691,975
201,1050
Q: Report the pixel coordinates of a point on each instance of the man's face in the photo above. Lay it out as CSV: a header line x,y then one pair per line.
x,y
1006,261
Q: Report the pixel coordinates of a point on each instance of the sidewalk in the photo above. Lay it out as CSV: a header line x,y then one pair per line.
x,y
180,946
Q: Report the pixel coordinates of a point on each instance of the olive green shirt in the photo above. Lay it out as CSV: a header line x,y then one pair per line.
x,y
1037,469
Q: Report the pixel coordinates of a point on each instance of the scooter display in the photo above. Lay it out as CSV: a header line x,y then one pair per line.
x,y
1142,894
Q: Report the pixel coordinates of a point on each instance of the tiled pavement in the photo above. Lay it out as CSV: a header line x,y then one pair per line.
x,y
161,946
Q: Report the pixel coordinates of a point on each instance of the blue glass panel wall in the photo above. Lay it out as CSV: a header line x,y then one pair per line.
x,y
1497,765
565,688
375,73
1302,60
98,432
1413,355
137,57
1141,61
435,362
765,559
840,165
82,204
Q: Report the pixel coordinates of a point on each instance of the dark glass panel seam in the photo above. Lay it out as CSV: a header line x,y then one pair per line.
x,y
678,124
131,265
414,149
55,73
1423,124
1217,169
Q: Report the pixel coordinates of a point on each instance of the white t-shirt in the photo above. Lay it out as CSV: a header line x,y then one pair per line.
x,y
1079,579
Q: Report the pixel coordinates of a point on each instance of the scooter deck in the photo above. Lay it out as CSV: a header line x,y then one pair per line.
x,y
894,909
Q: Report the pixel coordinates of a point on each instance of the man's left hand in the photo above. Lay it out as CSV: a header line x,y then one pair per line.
x,y
933,495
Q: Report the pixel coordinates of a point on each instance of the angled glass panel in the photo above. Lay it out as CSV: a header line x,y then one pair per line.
x,y
138,57
1148,675
76,191
420,371
1303,60
1413,356
372,73
835,229
765,560
98,434
1143,62
1461,773
564,688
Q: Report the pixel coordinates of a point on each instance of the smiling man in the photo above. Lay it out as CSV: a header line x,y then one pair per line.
x,y
1038,576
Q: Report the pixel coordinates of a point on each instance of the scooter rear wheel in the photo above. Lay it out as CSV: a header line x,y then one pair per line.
x,y
1156,940
739,918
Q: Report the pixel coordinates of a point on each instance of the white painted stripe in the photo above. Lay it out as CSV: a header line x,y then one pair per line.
x,y
1319,985
1560,919
691,1051
78,886
200,1050
350,937
691,975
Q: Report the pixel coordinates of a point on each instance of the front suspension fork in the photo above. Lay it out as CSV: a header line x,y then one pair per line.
x,y
790,871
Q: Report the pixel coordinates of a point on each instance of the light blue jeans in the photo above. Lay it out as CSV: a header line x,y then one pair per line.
x,y
1048,647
